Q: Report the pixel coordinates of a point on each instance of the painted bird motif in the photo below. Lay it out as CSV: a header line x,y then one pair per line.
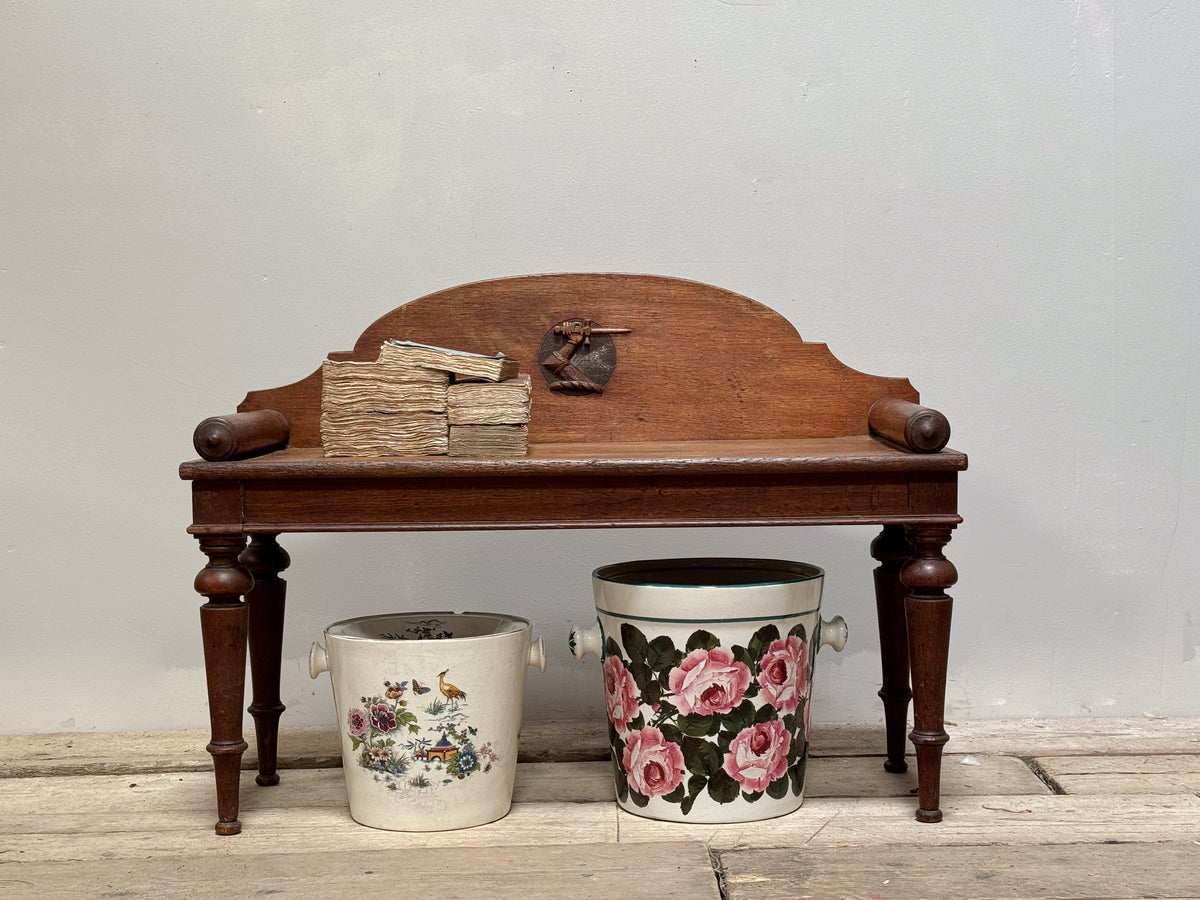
x,y
419,688
449,691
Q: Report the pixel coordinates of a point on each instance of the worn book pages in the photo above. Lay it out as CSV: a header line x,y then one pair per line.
x,y
383,386
460,362
385,434
489,440
485,403
399,404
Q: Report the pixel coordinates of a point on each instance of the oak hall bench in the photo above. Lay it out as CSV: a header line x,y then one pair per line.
x,y
657,402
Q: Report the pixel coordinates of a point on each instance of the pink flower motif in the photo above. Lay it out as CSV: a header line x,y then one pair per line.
x,y
357,719
620,693
708,682
783,673
383,717
653,764
758,755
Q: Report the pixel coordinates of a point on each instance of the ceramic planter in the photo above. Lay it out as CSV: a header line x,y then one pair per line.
x,y
708,667
429,710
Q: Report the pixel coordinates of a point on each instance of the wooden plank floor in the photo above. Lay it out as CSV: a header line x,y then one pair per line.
x,y
1105,808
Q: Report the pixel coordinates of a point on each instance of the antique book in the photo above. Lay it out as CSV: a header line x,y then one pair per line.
x,y
489,440
384,434
490,403
459,362
383,386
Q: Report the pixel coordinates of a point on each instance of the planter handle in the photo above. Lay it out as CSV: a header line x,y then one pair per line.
x,y
318,660
537,654
833,633
587,640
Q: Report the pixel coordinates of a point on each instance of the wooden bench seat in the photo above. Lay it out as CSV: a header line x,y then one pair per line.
x,y
712,412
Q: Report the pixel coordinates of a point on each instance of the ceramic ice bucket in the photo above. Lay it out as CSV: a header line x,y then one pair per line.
x,y
708,668
429,710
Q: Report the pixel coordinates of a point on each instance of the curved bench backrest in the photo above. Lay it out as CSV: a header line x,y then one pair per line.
x,y
700,363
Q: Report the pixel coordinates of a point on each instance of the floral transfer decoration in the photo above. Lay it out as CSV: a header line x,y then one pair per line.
x,y
417,747
726,722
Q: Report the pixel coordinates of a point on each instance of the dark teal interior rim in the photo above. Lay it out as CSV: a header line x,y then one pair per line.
x,y
708,572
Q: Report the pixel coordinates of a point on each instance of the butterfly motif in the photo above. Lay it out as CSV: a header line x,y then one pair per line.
x,y
419,688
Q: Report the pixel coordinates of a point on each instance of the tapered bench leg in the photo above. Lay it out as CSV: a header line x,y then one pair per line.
x,y
265,559
223,623
928,609
892,550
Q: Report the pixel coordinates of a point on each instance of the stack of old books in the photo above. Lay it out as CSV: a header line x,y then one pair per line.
x,y
418,400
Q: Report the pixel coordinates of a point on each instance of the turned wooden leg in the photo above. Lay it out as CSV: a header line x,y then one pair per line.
x,y
223,623
892,550
264,559
928,607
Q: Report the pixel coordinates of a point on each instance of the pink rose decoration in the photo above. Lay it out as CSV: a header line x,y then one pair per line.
x,y
357,720
709,682
653,764
620,693
783,673
758,755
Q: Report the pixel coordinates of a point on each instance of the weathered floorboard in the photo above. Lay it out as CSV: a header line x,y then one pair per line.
x,y
1023,819
1126,827
1095,871
1124,774
296,829
576,740
192,791
681,871
97,753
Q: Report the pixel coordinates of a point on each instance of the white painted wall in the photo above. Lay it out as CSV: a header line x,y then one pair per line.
x,y
999,201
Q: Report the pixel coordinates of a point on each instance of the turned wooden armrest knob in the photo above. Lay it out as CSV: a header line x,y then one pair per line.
x,y
240,435
908,425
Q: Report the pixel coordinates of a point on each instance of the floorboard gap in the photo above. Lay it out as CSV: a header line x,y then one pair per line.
x,y
1043,776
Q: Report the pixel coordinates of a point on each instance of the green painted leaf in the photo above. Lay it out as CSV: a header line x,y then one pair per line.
x,y
778,789
761,641
662,653
699,726
612,648
702,639
798,631
766,713
757,795
671,733
652,692
677,795
621,781
700,756
796,775
742,655
722,788
642,674
740,717
639,800
635,643
686,805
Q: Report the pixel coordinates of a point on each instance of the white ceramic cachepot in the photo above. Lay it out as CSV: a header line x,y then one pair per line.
x,y
708,668
429,709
